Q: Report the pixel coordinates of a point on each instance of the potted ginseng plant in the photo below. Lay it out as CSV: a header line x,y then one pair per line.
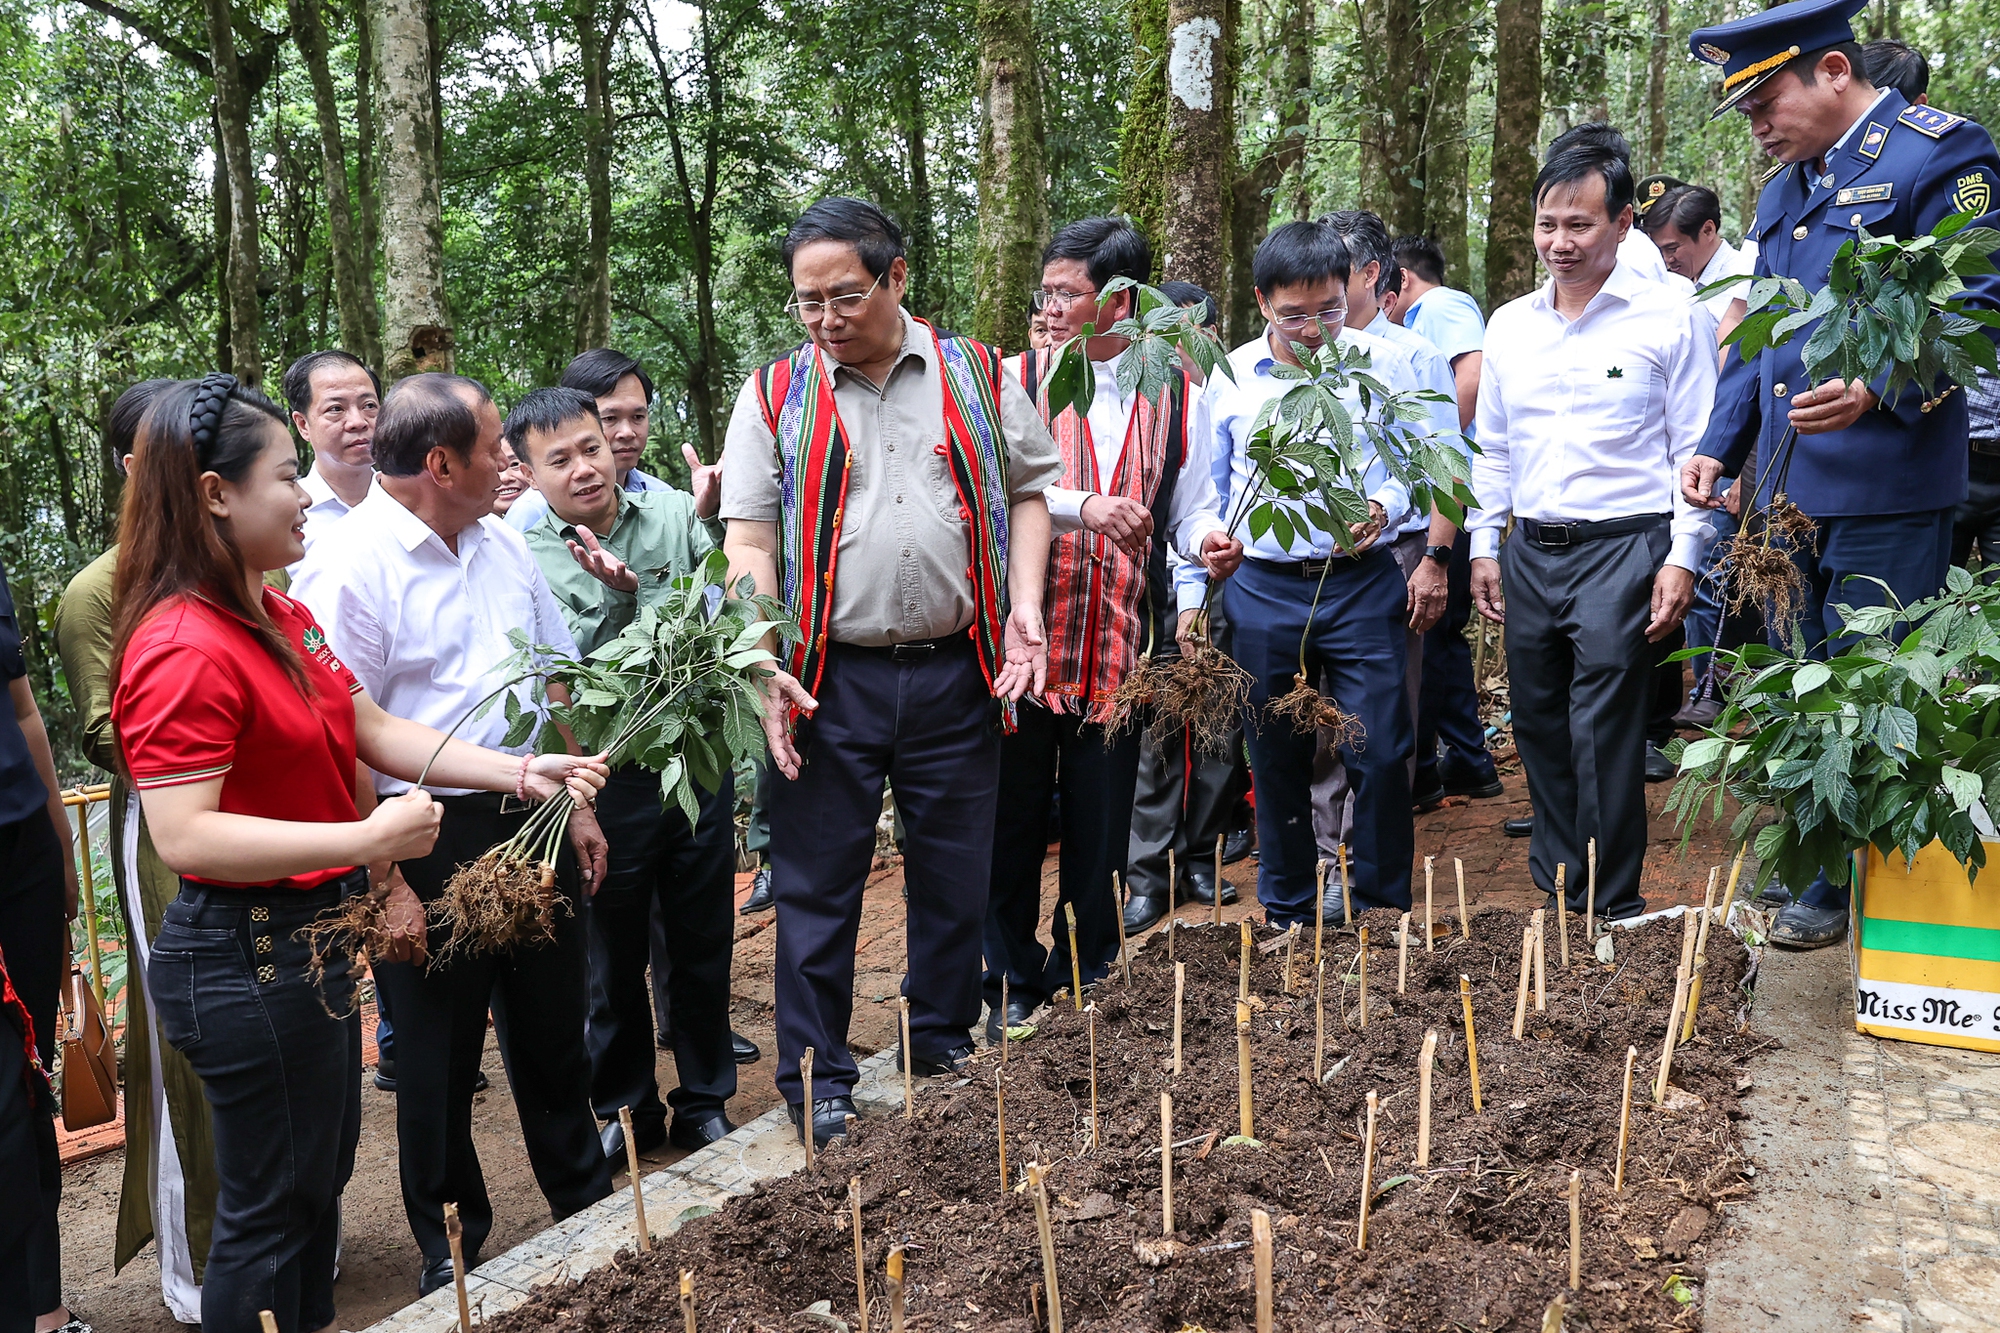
x,y
1886,754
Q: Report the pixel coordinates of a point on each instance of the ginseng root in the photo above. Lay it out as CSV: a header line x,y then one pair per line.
x,y
493,905
1202,690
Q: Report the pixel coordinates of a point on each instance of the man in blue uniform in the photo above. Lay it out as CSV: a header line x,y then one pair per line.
x,y
1879,479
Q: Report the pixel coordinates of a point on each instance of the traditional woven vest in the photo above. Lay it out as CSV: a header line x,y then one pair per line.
x,y
796,394
1096,595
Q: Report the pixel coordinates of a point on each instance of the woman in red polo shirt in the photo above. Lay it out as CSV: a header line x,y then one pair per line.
x,y
240,730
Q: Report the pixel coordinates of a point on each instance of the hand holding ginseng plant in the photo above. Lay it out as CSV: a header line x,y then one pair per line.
x,y
1893,313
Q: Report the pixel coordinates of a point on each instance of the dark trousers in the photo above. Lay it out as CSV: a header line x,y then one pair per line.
x,y
683,878
927,725
30,1182
1097,774
1909,552
229,982
1450,737
537,996
1976,521
1355,642
34,937
1584,680
1669,687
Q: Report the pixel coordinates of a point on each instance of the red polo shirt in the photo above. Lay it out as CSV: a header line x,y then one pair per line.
x,y
199,697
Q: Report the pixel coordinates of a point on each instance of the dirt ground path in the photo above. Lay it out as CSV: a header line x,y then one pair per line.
x,y
379,1261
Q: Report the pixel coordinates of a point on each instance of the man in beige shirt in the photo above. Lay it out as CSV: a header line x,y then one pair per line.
x,y
886,481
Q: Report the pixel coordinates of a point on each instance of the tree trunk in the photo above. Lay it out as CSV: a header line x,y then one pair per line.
x,y
1517,124
1250,210
1656,87
1449,40
1406,110
416,322
594,49
370,222
350,289
239,171
1013,173
1201,142
1142,138
924,295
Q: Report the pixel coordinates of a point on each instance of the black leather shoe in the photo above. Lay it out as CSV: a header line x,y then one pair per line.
x,y
1019,1013
1142,910
612,1138
937,1066
744,1049
829,1119
480,1084
1426,792
1479,789
760,893
1659,768
1237,845
1201,888
1802,927
436,1273
693,1134
385,1076
1519,828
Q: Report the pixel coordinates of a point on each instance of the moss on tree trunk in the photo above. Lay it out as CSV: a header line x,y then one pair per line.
x,y
1013,172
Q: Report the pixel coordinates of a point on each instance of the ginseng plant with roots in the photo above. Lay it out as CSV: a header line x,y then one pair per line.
x,y
677,692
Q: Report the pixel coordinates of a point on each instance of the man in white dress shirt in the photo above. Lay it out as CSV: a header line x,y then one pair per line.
x,y
334,400
1595,389
418,588
1355,639
1135,477
1686,224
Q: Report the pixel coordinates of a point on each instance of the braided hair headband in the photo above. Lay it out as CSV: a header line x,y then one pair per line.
x,y
211,398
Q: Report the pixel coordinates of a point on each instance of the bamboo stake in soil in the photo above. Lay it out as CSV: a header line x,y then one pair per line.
x,y
1173,888
1575,1230
909,1086
1541,930
1180,993
806,1077
1166,1164
1346,891
1319,913
1364,976
1006,1023
1041,1189
1260,1239
1700,955
454,1234
1464,918
1735,873
1291,939
1215,917
1403,956
1092,1012
1562,915
1075,963
269,1321
1243,978
1118,915
1625,1119
1590,898
1429,946
1673,1030
1426,1058
1521,992
1471,1041
1245,1120
632,1170
1000,1121
1319,1023
895,1285
1367,1174
860,1266
687,1298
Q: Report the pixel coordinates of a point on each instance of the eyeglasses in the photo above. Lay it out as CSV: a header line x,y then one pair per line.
x,y
1044,301
1333,318
847,307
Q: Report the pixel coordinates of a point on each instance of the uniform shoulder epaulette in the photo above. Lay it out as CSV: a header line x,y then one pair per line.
x,y
1771,175
1929,120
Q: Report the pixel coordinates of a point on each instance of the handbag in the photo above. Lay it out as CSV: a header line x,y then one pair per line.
x,y
89,1061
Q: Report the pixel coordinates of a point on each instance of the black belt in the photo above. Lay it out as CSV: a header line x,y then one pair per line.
x,y
499,803
1574,534
911,650
268,895
1984,446
1312,569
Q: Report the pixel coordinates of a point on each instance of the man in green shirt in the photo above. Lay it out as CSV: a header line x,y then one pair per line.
x,y
606,551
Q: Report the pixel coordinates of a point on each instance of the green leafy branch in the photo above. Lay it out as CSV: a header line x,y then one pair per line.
x,y
1159,330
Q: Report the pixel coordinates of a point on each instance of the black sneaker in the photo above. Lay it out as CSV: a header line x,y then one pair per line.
x,y
1802,927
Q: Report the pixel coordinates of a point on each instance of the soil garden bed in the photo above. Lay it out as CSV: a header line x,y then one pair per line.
x,y
1479,1240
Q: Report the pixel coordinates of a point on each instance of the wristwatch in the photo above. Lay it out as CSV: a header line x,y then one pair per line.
x,y
1441,554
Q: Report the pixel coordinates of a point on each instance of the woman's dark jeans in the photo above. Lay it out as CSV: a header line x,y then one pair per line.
x,y
231,989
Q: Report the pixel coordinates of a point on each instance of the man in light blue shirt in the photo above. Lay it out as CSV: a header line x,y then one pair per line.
x,y
1354,636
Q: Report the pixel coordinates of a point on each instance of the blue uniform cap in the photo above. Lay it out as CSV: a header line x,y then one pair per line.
x,y
1750,50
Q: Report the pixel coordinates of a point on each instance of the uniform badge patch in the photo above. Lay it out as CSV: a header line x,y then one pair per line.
x,y
1865,194
1872,139
1972,193
1929,120
1714,54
